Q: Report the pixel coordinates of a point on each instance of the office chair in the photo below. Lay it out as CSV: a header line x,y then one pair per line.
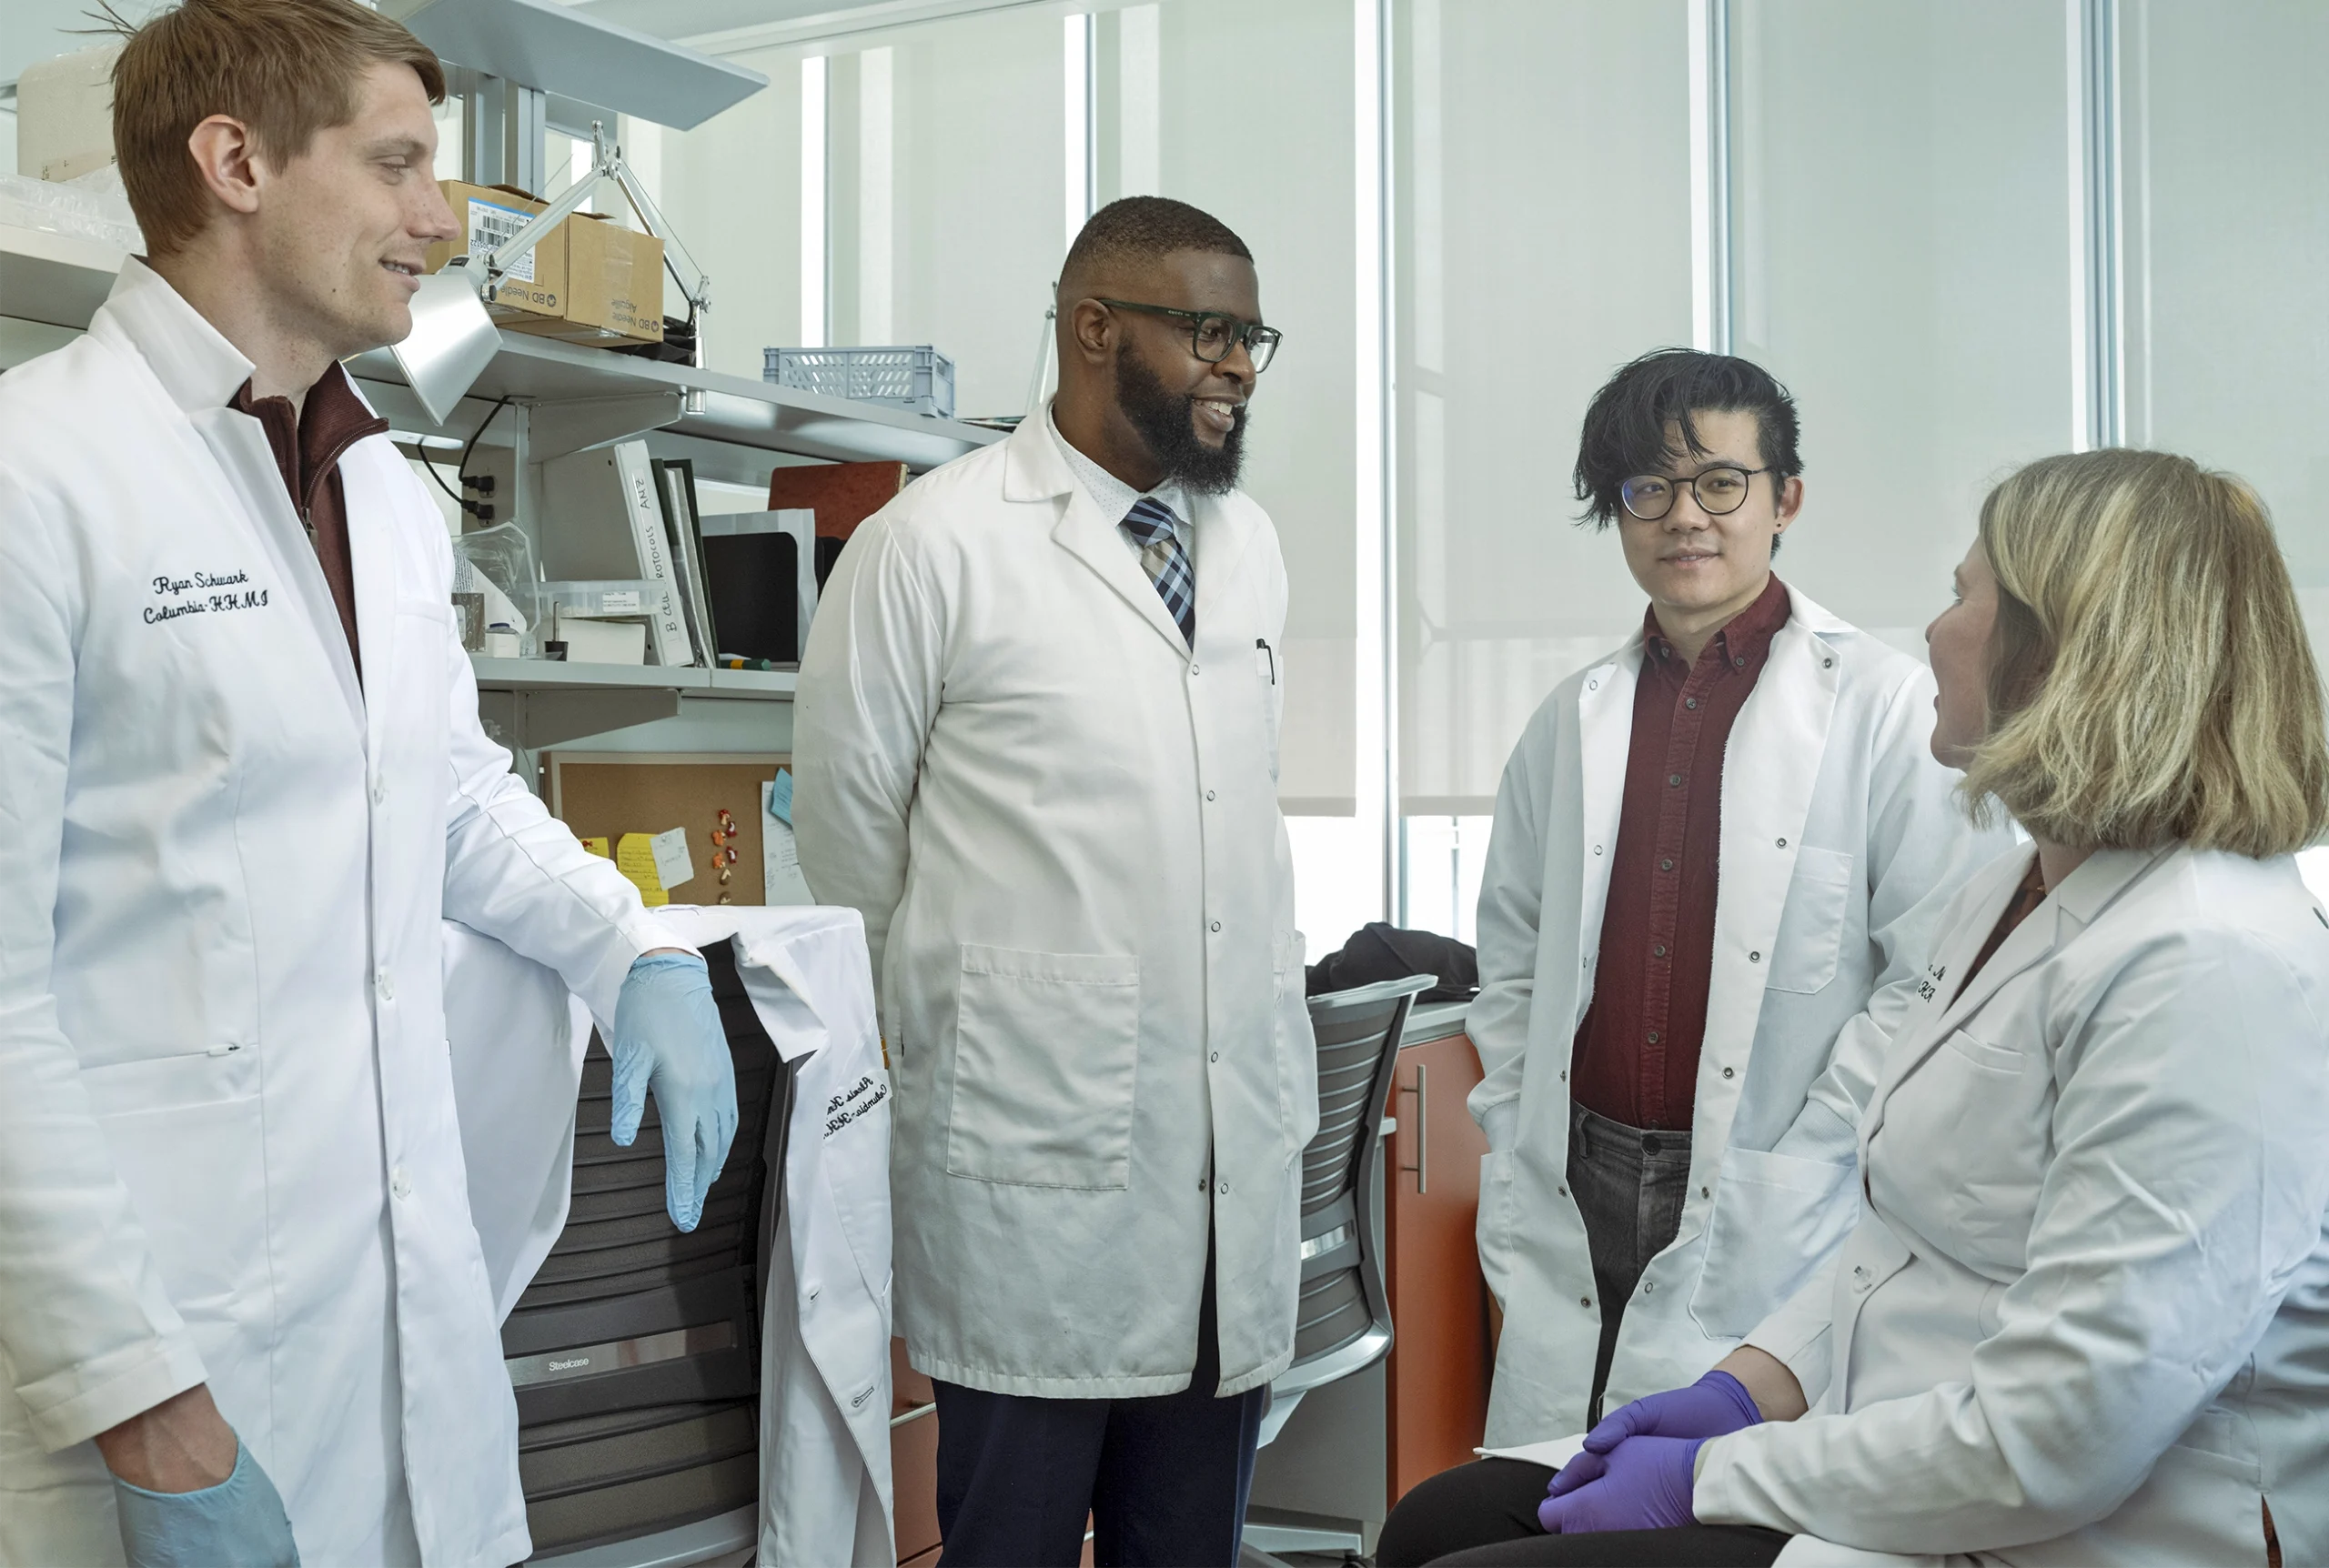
x,y
635,1351
1343,1319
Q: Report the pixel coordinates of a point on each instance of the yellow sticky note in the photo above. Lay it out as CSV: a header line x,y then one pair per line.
x,y
597,847
635,859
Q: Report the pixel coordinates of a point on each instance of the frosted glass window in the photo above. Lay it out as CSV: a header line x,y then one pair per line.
x,y
1902,255
1246,110
946,148
2226,222
1543,238
730,190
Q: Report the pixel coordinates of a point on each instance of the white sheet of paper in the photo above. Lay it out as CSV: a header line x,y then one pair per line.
x,y
780,859
673,864
1552,1454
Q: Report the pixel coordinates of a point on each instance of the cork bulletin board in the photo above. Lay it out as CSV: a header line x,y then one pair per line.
x,y
606,794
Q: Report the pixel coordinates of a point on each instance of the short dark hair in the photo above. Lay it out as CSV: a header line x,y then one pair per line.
x,y
1625,429
1147,228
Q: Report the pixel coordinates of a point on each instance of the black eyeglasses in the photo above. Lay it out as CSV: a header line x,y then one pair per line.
x,y
1213,335
1720,490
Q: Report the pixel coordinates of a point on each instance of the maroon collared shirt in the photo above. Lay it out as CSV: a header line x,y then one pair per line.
x,y
1636,1058
309,442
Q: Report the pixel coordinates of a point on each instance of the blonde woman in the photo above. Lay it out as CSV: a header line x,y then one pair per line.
x,y
2085,1316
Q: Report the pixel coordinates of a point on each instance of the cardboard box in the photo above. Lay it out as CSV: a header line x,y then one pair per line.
x,y
614,285
65,113
533,289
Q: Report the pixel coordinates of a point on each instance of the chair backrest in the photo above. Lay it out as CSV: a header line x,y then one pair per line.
x,y
1344,1321
635,1351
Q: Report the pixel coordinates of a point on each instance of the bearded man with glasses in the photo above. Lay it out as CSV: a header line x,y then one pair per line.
x,y
1718,859
1037,747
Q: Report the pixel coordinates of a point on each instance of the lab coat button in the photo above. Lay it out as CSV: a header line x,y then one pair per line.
x,y
1214,1057
379,790
1649,1289
399,1183
1222,1188
1194,670
386,987
1727,1072
1216,925
1209,794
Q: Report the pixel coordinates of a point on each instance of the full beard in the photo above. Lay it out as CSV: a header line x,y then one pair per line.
x,y
1167,424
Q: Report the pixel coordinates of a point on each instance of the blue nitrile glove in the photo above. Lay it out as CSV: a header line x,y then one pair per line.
x,y
1715,1404
238,1523
668,1038
1643,1483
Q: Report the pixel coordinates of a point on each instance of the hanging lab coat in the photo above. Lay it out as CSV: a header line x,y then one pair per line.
x,y
517,1039
1061,824
2084,1317
1838,829
227,1145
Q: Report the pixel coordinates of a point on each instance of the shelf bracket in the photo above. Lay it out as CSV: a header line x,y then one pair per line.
x,y
529,720
566,427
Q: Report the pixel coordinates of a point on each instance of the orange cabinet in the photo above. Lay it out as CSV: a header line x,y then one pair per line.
x,y
1440,1361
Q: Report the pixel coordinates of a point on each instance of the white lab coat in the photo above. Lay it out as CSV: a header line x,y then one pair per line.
x,y
1838,827
1062,827
2083,1318
518,1041
227,1145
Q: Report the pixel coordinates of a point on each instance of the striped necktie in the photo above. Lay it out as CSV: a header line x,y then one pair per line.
x,y
1150,523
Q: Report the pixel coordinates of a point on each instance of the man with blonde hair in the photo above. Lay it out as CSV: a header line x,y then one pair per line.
x,y
244,785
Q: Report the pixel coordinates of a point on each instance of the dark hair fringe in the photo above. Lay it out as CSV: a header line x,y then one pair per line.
x,y
1625,427
1145,229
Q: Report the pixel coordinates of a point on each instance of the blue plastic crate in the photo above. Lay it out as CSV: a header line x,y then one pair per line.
x,y
914,377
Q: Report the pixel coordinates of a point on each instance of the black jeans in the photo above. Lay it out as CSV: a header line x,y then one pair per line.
x,y
1630,1185
1483,1515
1165,1479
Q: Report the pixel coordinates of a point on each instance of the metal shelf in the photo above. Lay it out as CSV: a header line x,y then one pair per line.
x,y
60,281
551,675
530,703
53,278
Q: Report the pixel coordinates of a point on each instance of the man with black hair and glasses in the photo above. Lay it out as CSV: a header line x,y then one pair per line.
x,y
1717,858
1037,747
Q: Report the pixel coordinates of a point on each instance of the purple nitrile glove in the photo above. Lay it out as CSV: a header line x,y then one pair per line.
x,y
1715,1404
1643,1483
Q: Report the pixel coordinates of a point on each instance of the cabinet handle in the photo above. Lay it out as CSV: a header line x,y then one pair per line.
x,y
1423,1133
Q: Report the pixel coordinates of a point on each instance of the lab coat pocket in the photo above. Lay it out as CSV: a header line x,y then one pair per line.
x,y
1776,1218
1046,1049
186,1132
1811,927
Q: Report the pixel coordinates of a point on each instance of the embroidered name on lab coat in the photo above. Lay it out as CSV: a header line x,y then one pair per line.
x,y
222,591
859,1098
1930,987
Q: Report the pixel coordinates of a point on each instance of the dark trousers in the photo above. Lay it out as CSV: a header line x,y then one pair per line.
x,y
1483,1515
1630,1185
1165,1479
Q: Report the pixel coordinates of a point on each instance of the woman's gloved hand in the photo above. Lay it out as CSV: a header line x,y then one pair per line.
x,y
1715,1404
668,1038
1643,1483
238,1523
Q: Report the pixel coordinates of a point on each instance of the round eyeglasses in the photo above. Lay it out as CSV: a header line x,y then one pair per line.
x,y
1719,491
1214,334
